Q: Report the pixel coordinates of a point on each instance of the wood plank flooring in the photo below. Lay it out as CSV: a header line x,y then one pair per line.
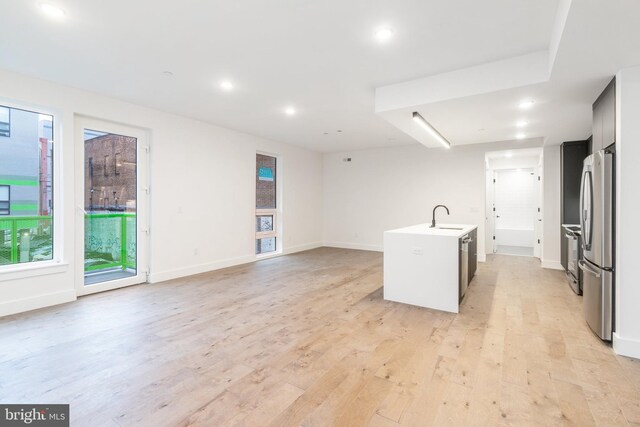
x,y
307,340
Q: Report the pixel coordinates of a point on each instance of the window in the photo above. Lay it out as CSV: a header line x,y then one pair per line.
x,y
266,209
26,186
116,164
5,199
5,122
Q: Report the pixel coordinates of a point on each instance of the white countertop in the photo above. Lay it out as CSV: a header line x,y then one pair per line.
x,y
425,229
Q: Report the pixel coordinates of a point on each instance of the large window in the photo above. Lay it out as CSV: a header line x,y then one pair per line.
x,y
5,122
26,186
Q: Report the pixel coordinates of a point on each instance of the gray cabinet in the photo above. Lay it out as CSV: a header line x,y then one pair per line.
x,y
604,118
473,254
467,260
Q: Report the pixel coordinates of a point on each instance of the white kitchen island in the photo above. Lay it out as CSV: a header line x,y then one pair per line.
x,y
422,264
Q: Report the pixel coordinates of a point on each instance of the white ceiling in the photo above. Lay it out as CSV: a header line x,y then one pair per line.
x,y
322,58
591,40
514,154
319,56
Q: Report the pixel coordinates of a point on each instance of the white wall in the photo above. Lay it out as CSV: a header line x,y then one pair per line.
x,y
204,171
513,162
387,188
626,339
551,207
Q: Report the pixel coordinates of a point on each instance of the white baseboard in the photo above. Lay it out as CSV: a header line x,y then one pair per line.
x,y
217,265
553,265
358,246
300,248
27,304
200,268
482,257
626,346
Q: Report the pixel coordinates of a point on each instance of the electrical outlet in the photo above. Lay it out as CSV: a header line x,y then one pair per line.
x,y
417,251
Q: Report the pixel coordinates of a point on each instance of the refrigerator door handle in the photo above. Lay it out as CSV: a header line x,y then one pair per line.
x,y
584,267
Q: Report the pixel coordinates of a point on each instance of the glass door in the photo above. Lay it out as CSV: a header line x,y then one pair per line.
x,y
113,206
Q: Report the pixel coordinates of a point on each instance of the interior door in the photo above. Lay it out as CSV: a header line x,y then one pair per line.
x,y
515,208
112,206
537,252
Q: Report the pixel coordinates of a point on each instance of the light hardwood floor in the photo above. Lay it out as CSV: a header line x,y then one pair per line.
x,y
307,340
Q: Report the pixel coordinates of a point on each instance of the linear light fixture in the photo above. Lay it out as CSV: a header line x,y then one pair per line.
x,y
427,126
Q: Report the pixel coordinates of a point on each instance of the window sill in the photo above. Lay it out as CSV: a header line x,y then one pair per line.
x,y
23,271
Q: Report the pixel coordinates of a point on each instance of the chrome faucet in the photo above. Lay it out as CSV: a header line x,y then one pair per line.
x,y
433,221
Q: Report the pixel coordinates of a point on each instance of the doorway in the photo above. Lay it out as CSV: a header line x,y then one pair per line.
x,y
113,205
514,214
514,206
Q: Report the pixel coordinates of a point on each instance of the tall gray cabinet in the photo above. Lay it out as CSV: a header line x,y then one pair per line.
x,y
604,118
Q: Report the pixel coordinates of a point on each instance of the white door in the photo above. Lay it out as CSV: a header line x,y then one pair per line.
x,y
515,209
112,205
537,243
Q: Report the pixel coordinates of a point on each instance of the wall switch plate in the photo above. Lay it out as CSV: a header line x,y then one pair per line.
x,y
417,251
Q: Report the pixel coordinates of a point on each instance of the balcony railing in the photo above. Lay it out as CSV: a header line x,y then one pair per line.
x,y
110,240
25,239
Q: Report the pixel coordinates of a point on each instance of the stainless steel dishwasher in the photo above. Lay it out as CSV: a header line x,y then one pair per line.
x,y
464,264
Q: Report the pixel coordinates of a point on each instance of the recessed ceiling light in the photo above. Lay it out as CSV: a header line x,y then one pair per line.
x,y
508,155
527,104
290,111
522,123
520,135
226,85
383,34
52,11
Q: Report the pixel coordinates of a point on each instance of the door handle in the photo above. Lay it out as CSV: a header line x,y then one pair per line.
x,y
584,267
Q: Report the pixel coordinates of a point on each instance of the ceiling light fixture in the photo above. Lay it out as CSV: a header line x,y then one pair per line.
x,y
52,11
522,123
425,125
521,135
290,111
226,85
383,34
508,155
527,104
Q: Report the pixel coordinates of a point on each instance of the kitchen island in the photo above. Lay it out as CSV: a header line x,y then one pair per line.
x,y
429,267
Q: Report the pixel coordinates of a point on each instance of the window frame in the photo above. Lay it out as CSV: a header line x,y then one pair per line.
x,y
57,263
276,212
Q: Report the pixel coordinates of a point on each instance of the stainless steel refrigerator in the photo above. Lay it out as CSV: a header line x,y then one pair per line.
x,y
597,221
